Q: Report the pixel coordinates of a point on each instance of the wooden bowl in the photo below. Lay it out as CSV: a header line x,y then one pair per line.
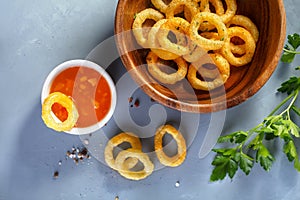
x,y
270,18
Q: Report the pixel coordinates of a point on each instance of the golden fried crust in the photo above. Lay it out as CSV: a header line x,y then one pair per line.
x,y
157,73
137,25
223,74
177,159
66,102
134,154
132,139
250,46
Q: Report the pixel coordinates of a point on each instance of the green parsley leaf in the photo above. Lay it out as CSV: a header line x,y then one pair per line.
x,y
218,173
297,164
236,137
290,48
232,167
290,150
264,157
294,40
290,85
256,142
246,163
287,57
223,165
292,128
225,151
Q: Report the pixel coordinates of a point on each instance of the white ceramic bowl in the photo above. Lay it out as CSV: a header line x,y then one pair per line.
x,y
88,64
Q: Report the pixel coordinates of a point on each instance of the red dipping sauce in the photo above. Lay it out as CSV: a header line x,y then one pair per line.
x,y
90,92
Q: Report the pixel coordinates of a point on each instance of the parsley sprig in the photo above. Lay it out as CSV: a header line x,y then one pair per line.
x,y
290,49
250,147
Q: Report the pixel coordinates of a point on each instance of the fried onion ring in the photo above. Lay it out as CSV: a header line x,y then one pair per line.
x,y
224,70
206,68
203,42
137,25
160,5
180,28
154,70
207,73
189,6
217,4
128,137
177,159
154,44
250,46
225,16
67,103
237,48
230,11
195,53
245,22
134,154
204,6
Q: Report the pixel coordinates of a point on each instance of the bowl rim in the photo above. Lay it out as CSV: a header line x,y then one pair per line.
x,y
89,64
197,107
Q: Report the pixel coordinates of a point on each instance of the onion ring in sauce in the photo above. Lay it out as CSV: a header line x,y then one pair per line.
x,y
67,103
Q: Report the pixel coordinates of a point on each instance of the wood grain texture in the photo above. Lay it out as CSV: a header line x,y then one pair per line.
x,y
244,82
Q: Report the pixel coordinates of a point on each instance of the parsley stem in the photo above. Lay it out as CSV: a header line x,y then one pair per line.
x,y
291,51
283,102
291,104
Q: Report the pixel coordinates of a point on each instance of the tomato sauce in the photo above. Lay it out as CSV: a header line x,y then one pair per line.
x,y
89,90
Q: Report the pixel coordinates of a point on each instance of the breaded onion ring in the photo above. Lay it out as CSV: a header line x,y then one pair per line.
x,y
229,13
155,71
160,5
136,154
235,48
224,70
245,22
177,159
195,52
239,49
225,16
154,44
249,47
180,28
190,7
217,4
206,68
67,103
127,137
140,18
203,42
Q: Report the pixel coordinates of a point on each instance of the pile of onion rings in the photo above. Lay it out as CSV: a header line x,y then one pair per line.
x,y
126,160
189,30
49,118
